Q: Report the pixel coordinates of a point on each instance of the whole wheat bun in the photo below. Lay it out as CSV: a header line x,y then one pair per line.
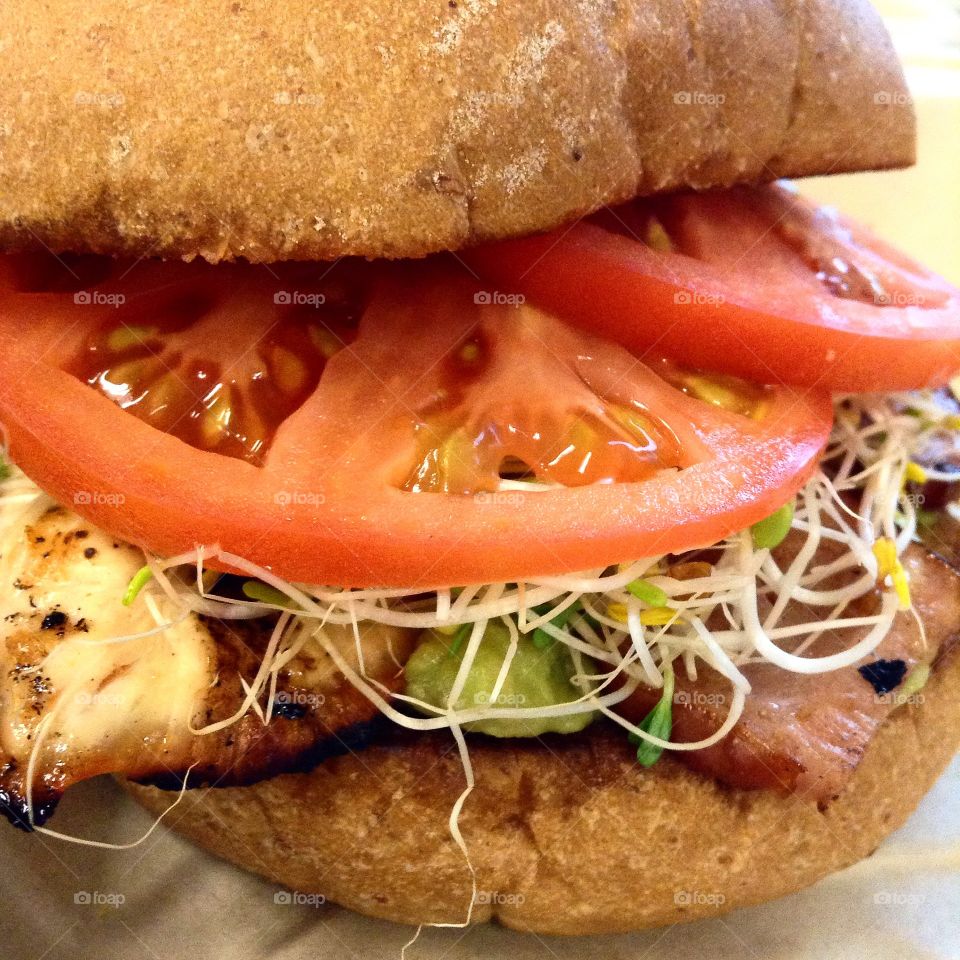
x,y
567,836
310,129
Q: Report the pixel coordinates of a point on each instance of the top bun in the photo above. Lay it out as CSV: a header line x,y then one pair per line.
x,y
312,129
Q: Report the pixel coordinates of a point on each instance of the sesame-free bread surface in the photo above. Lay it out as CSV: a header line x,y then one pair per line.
x,y
311,129
567,836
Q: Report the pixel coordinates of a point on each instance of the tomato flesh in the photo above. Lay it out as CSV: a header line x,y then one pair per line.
x,y
230,403
756,282
473,432
389,471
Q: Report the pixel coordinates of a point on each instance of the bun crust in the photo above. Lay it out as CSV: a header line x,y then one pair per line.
x,y
312,129
567,836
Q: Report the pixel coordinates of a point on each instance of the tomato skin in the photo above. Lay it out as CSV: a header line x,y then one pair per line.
x,y
743,301
383,542
326,507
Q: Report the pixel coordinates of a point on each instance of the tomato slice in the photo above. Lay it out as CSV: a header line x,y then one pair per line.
x,y
384,462
230,404
757,282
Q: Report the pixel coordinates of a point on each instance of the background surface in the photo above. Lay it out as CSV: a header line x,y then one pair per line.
x,y
165,901
919,208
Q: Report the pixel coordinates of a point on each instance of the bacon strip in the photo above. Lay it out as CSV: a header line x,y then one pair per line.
x,y
806,734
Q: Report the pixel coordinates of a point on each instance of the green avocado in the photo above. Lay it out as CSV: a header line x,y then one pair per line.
x,y
537,678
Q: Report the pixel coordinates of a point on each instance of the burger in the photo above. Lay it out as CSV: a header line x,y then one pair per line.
x,y
450,469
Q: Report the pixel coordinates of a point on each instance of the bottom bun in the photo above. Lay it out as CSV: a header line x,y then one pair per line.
x,y
566,835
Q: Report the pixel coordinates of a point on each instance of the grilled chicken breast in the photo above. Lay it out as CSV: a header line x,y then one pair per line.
x,y
89,686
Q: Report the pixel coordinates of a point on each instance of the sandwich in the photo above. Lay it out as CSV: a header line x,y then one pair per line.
x,y
448,466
